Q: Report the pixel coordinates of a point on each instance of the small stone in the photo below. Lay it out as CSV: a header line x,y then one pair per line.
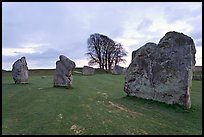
x,y
117,70
88,70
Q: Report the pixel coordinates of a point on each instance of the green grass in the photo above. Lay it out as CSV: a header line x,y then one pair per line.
x,y
96,105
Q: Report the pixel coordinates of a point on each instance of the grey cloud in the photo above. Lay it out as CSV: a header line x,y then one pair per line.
x,y
76,51
28,19
196,33
116,33
49,53
67,26
144,25
199,43
44,59
175,12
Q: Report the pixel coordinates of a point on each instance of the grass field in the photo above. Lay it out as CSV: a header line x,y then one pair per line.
x,y
96,105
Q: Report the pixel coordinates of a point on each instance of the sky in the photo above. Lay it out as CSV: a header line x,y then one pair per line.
x,y
41,31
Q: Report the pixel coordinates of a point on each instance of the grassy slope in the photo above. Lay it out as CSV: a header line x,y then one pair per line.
x,y
95,105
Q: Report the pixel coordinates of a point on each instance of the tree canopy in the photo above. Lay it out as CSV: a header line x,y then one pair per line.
x,y
105,52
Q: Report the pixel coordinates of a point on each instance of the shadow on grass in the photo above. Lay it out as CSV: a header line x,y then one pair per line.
x,y
13,84
57,88
152,104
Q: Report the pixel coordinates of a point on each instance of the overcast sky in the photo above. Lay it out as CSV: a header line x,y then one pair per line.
x,y
41,31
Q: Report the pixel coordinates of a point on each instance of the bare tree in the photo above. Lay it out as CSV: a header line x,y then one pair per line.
x,y
119,53
104,51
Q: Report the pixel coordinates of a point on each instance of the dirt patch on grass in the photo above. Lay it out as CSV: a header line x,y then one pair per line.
x,y
78,130
59,117
122,108
104,95
139,132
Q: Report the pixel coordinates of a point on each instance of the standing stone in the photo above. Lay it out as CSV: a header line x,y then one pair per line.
x,y
88,70
63,72
163,71
117,70
20,71
134,54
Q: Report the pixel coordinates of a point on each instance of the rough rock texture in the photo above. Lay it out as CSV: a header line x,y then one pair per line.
x,y
163,71
63,72
117,70
88,70
134,54
20,71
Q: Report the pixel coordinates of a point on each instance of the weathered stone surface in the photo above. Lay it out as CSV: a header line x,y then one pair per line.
x,y
134,54
63,72
117,70
88,70
20,71
163,71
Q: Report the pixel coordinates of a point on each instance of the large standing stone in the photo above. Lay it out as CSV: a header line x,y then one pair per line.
x,y
117,70
163,71
20,71
63,72
88,70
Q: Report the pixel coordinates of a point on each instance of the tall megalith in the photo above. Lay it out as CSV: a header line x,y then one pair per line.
x,y
63,72
163,71
20,71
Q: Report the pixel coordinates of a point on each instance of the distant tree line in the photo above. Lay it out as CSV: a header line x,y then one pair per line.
x,y
105,52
